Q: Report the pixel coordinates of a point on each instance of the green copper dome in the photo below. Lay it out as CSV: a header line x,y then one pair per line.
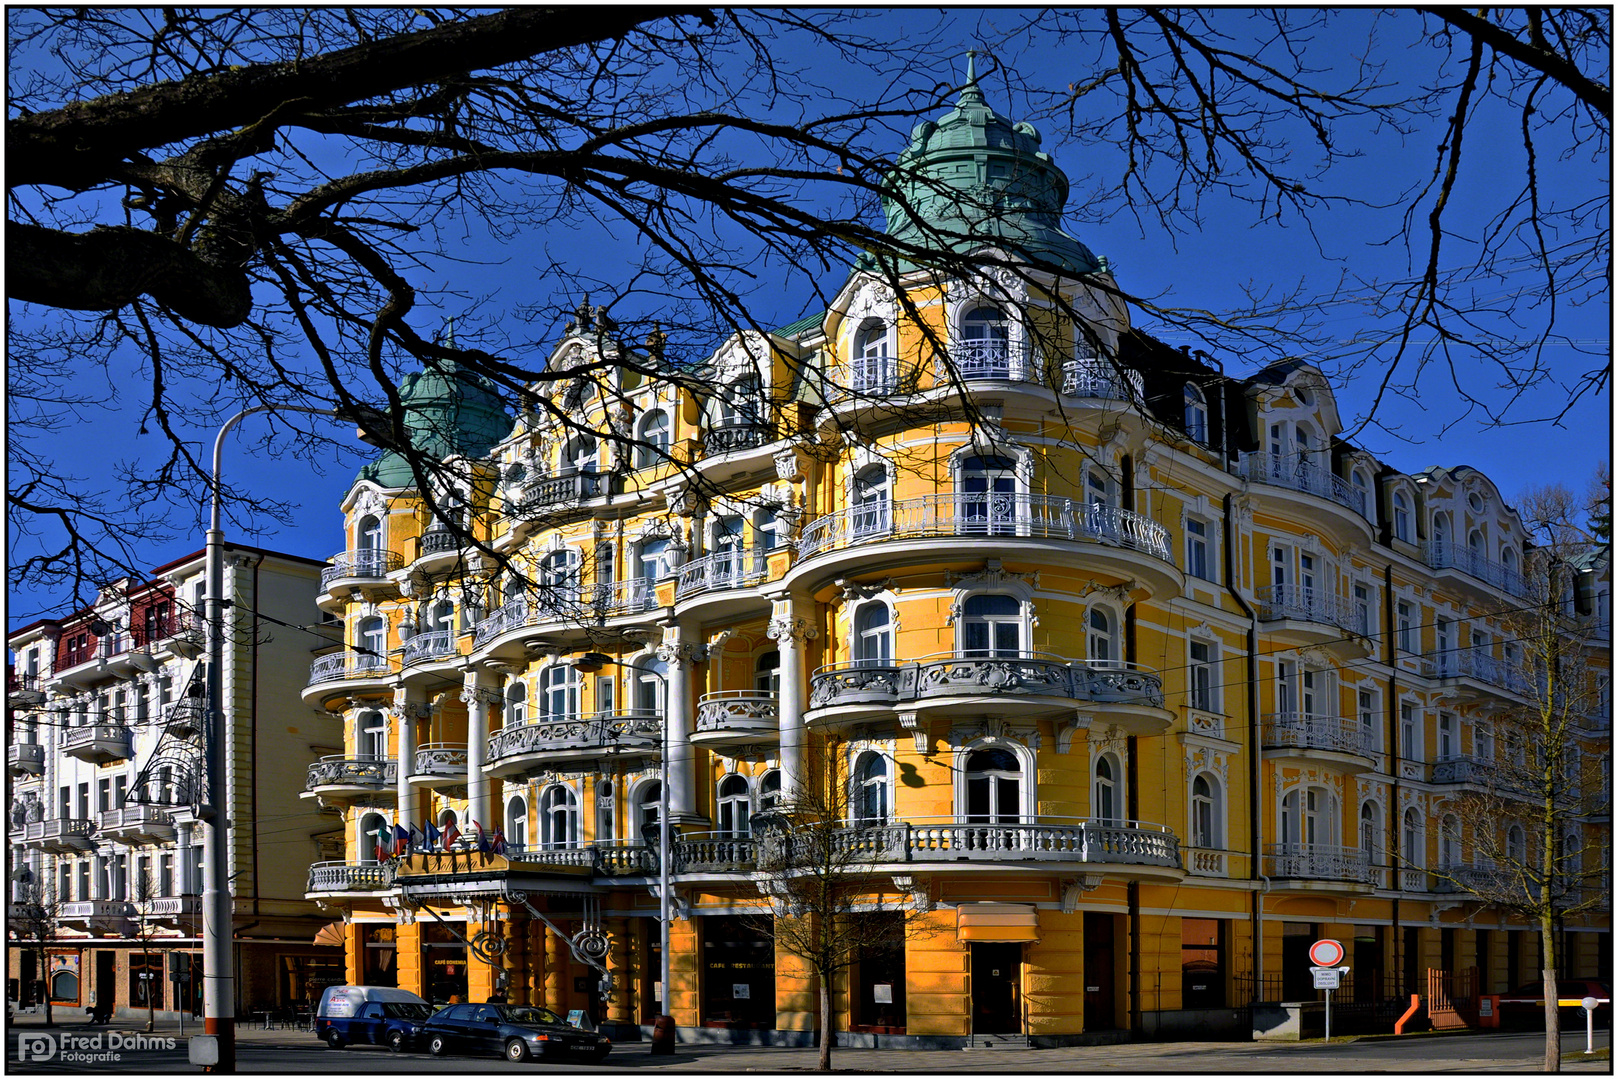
x,y
973,179
448,412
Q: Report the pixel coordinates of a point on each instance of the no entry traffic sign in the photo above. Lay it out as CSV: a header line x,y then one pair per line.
x,y
1326,953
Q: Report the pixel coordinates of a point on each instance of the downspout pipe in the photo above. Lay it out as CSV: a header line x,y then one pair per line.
x,y
1254,815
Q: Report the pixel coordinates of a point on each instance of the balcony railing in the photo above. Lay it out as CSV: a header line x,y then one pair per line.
x,y
741,712
439,542
558,490
559,603
1310,605
25,688
430,646
372,564
721,570
444,759
623,597
718,852
57,834
348,665
1095,377
25,759
734,436
97,911
1291,472
187,906
633,729
1011,675
874,375
1318,862
1006,515
1444,554
96,742
973,360
1462,769
350,877
377,773
1475,664
182,624
958,839
137,820
1291,730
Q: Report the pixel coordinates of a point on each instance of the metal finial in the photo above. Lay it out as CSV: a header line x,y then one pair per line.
x,y
971,66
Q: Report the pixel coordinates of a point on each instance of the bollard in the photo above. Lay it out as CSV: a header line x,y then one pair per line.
x,y
663,1035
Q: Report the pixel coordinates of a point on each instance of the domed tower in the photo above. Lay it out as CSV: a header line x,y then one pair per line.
x,y
972,179
449,412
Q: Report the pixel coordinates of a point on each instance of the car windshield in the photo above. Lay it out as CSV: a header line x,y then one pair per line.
x,y
529,1014
406,1010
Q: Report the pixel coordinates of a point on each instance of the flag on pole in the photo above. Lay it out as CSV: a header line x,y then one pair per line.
x,y
430,836
483,841
384,840
401,839
452,834
499,842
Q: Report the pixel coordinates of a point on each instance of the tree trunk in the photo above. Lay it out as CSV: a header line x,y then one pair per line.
x,y
1553,1013
826,1024
151,1001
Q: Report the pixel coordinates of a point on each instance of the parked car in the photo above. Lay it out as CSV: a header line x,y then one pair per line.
x,y
520,1032
1526,1004
383,1015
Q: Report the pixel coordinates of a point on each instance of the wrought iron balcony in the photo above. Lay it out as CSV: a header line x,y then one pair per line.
x,y
1095,377
57,834
972,361
736,716
1461,769
1276,602
1014,675
99,743
1004,515
366,564
340,775
428,647
137,821
1478,665
622,597
25,759
874,375
24,690
721,570
1298,731
962,839
348,665
733,437
1318,862
517,750
1447,555
1294,473
440,762
350,877
557,491
561,603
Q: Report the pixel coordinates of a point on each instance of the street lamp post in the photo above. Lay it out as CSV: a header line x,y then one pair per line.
x,y
218,969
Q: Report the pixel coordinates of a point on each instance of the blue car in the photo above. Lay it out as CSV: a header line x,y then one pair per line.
x,y
518,1032
394,1024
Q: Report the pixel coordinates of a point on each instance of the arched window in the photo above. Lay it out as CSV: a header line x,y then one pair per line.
x,y
606,816
1440,535
648,811
873,634
559,692
368,533
767,673
734,805
372,728
1449,842
1401,517
559,581
988,501
1362,492
873,366
446,818
1107,790
441,615
1476,549
516,830
373,643
1196,414
1207,818
993,787
1101,638
558,818
871,501
653,435
1370,829
1309,818
871,795
769,790
991,625
985,350
375,839
516,703
64,986
1517,844
1411,842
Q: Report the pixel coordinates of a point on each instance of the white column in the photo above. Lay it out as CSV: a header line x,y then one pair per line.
x,y
181,883
405,711
789,630
681,768
478,694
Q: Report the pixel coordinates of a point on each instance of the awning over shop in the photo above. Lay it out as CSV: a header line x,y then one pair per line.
x,y
996,922
330,934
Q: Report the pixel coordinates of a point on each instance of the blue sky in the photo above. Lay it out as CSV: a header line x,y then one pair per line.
x,y
1208,266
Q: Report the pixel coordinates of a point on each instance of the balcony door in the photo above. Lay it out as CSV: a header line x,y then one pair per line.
x,y
992,626
988,487
987,337
993,787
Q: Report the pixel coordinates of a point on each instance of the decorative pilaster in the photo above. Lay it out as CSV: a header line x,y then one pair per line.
x,y
789,630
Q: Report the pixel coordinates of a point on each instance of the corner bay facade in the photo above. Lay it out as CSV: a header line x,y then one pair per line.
x,y
1138,683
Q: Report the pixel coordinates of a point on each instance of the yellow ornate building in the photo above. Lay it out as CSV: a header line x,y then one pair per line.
x,y
1145,678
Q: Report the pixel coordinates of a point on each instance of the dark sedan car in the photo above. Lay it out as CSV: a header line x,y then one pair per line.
x,y
520,1032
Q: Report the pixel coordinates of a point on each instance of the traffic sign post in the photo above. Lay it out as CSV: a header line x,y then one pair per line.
x,y
1326,954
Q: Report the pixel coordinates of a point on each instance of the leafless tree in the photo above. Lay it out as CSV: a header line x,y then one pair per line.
x,y
34,921
144,892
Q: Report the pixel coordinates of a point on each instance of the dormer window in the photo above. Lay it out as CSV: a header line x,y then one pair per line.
x,y
1401,517
1196,415
653,438
874,370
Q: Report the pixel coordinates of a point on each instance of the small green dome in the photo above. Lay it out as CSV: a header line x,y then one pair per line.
x,y
972,179
448,412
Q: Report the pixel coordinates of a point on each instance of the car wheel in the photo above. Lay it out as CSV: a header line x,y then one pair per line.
x,y
395,1041
437,1046
516,1050
600,1056
334,1040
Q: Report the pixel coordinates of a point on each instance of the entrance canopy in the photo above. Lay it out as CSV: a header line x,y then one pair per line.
x,y
997,922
